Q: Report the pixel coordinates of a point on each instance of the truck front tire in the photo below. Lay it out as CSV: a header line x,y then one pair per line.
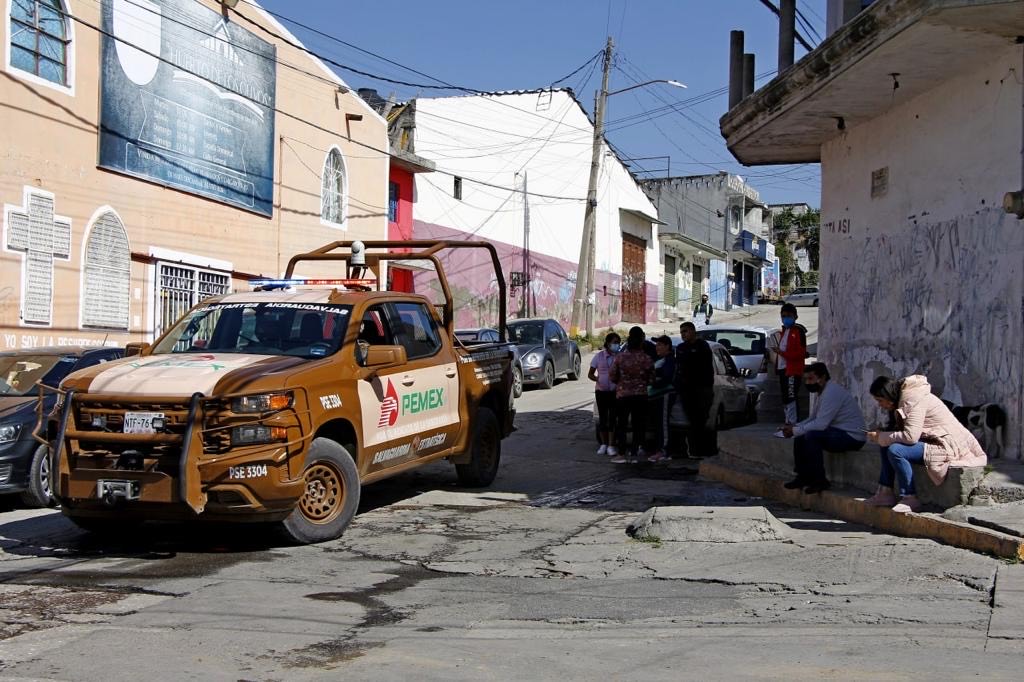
x,y
331,497
485,456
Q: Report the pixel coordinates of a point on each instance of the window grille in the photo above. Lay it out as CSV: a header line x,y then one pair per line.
x,y
180,287
106,275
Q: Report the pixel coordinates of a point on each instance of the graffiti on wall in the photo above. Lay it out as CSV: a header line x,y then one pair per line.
x,y
945,300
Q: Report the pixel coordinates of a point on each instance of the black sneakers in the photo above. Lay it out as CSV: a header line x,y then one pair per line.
x,y
814,488
794,484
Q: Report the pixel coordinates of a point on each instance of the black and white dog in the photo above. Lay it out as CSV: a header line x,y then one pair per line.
x,y
987,422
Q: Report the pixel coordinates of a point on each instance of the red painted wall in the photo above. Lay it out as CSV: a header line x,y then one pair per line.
x,y
401,229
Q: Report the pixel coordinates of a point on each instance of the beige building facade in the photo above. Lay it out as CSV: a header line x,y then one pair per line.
x,y
154,154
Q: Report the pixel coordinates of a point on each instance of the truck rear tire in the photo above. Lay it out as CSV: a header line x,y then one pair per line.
x,y
331,497
483,463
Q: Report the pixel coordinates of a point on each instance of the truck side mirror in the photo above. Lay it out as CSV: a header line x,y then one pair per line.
x,y
383,357
135,348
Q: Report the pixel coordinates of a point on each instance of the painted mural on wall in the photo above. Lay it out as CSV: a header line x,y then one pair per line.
x,y
944,300
550,290
187,100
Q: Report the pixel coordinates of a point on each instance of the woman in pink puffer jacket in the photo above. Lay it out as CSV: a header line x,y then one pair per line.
x,y
923,431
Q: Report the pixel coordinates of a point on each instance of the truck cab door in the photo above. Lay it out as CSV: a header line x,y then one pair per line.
x,y
410,410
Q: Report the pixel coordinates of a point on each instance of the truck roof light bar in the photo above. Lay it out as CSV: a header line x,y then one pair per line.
x,y
357,284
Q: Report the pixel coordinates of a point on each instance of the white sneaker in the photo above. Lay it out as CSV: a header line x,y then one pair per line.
x,y
612,451
603,450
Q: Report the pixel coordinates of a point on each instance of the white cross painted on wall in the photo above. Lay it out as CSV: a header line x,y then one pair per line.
x,y
33,230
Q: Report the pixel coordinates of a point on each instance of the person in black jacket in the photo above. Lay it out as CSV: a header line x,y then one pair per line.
x,y
694,382
704,308
662,397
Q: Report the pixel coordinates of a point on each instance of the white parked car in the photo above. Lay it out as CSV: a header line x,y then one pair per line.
x,y
803,296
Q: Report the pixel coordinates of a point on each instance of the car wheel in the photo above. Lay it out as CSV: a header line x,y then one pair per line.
x,y
549,376
517,382
485,454
39,492
577,368
331,497
720,418
815,304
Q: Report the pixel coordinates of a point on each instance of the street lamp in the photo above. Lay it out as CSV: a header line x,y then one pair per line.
x,y
584,298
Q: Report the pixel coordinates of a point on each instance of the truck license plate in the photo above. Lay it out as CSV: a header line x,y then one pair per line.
x,y
140,422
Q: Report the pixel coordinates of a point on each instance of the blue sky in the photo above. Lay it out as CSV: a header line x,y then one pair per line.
x,y
488,45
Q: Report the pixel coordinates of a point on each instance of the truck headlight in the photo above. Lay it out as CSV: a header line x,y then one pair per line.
x,y
255,434
264,402
9,432
532,360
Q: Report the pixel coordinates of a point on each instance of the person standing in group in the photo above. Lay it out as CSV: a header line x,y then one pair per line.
x,y
631,371
835,425
921,430
662,396
788,348
604,393
695,381
704,310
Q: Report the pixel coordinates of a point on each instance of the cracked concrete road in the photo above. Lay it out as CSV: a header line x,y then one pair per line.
x,y
533,579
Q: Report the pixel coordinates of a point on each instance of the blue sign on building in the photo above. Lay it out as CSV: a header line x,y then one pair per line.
x,y
187,101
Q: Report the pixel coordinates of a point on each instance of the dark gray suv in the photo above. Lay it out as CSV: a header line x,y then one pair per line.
x,y
24,465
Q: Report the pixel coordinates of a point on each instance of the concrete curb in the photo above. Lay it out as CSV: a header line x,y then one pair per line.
x,y
849,508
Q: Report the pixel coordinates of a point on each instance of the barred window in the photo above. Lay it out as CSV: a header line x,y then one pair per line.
x,y
39,39
106,275
332,190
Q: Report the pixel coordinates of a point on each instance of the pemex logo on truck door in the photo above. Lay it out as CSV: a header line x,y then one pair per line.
x,y
388,408
393,410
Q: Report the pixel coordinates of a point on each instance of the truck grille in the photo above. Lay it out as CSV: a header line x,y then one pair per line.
x,y
167,454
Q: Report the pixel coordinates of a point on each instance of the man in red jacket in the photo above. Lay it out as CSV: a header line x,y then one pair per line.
x,y
789,349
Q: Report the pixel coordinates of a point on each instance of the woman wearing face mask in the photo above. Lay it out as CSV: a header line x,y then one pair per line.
x,y
922,430
604,393
788,348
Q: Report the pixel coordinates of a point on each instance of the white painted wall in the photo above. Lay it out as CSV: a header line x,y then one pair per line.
x,y
495,137
929,278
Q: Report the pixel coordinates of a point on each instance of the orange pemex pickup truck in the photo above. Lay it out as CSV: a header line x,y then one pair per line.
x,y
279,404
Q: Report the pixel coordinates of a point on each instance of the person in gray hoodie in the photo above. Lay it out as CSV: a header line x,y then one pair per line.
x,y
835,424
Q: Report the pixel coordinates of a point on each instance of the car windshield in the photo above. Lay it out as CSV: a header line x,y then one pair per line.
x,y
309,330
19,372
527,333
735,341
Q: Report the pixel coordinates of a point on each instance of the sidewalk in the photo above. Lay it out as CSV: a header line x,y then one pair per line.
x,y
979,509
671,328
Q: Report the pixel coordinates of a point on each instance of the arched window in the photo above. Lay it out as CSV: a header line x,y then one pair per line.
x,y
106,274
40,39
332,189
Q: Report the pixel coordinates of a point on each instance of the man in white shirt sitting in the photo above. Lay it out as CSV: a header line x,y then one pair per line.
x,y
836,425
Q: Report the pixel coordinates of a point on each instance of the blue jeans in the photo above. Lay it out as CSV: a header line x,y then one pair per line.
x,y
896,460
808,449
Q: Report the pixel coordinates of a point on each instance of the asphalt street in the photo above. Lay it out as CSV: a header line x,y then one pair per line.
x,y
534,578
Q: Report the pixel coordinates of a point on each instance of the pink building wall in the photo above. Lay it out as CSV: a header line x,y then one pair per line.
x,y
471,278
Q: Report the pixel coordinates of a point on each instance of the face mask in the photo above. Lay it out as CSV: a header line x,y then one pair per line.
x,y
813,388
613,347
788,321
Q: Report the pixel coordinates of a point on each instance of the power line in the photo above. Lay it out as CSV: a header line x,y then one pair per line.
x,y
585,65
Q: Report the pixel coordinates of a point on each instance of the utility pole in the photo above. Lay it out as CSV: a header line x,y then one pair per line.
x,y
526,249
583,298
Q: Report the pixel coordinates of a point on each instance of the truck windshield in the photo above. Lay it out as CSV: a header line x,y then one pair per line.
x,y
310,330
19,372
